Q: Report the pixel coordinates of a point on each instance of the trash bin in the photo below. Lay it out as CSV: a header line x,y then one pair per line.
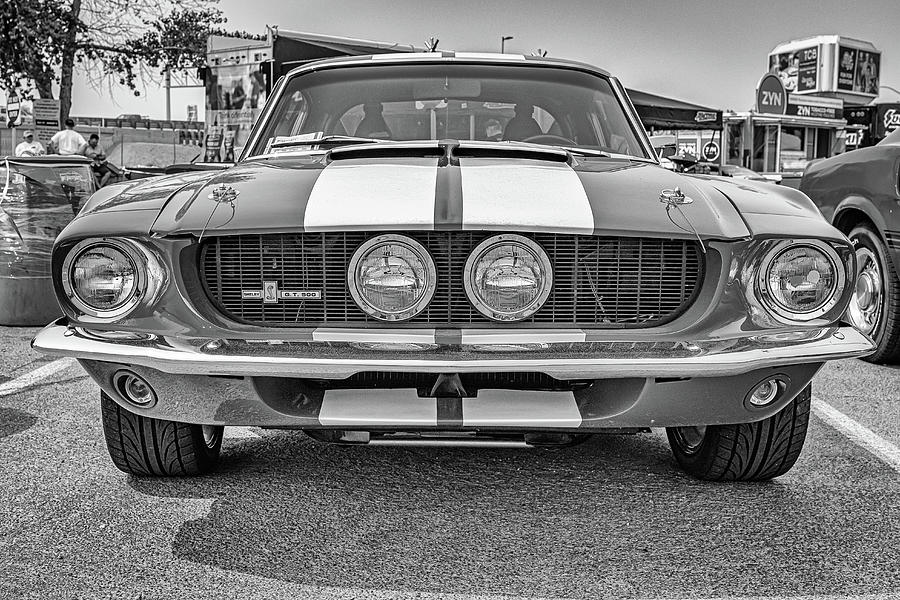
x,y
39,196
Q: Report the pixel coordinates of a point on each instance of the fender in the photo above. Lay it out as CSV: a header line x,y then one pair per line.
x,y
865,206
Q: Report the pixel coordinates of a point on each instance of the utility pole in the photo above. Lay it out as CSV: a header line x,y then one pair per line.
x,y
503,39
168,93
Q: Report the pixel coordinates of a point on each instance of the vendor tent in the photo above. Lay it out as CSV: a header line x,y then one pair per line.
x,y
659,112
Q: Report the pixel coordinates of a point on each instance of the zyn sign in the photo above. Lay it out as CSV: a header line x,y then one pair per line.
x,y
771,96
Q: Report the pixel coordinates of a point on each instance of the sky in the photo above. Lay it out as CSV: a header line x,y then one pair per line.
x,y
710,53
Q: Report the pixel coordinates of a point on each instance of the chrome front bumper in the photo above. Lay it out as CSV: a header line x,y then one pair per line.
x,y
339,359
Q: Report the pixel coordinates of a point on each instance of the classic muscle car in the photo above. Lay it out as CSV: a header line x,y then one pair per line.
x,y
859,192
452,244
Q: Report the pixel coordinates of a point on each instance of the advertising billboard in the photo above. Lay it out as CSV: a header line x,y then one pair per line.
x,y
858,70
235,95
797,69
840,66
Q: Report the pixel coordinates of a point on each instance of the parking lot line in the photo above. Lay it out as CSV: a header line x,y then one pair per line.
x,y
860,435
30,378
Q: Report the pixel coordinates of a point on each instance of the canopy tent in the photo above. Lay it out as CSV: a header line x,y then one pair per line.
x,y
659,112
297,47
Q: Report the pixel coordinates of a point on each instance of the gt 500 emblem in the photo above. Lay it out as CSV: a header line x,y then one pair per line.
x,y
270,294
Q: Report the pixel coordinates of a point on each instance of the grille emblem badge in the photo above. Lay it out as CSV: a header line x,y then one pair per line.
x,y
270,294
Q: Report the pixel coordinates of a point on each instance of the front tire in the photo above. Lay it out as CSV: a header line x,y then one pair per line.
x,y
875,306
746,451
145,446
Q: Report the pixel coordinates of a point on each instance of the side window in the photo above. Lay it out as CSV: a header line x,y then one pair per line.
x,y
351,119
290,120
546,121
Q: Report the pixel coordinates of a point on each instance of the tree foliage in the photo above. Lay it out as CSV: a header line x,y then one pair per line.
x,y
113,42
30,44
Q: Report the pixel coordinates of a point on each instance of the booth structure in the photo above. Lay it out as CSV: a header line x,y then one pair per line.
x,y
39,197
690,127
807,106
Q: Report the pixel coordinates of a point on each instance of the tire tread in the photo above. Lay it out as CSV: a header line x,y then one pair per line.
x,y
145,446
749,451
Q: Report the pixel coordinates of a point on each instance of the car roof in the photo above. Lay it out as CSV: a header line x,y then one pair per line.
x,y
448,57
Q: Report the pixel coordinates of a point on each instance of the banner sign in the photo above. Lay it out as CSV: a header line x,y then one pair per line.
x,y
46,119
771,96
858,70
815,106
887,119
798,70
12,108
235,95
711,151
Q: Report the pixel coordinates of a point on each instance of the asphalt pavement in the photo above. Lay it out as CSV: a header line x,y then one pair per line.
x,y
286,517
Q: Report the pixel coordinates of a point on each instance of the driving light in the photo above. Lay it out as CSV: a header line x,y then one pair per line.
x,y
508,277
764,393
802,281
108,278
392,277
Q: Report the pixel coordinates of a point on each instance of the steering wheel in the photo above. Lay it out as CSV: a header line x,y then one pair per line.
x,y
549,138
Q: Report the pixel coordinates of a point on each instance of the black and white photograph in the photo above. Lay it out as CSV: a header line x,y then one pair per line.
x,y
508,300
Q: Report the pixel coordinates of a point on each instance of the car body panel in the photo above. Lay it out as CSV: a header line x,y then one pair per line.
x,y
865,180
310,193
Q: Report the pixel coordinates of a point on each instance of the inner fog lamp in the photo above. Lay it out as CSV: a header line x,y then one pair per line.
x,y
803,281
765,393
508,277
392,277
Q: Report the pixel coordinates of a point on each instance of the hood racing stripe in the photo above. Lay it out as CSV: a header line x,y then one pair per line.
x,y
525,195
382,193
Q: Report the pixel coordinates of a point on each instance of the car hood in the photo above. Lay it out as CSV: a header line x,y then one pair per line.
x,y
311,192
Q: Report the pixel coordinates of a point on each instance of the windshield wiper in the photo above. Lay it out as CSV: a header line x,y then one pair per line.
x,y
326,140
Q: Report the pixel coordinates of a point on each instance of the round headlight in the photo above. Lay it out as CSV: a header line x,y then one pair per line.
x,y
108,278
508,277
803,281
392,277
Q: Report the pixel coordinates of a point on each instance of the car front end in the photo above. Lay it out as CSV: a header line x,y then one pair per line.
x,y
553,285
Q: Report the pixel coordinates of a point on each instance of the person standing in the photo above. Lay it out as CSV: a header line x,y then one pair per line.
x,y
30,146
68,141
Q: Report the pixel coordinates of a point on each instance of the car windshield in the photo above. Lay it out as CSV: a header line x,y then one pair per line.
x,y
486,102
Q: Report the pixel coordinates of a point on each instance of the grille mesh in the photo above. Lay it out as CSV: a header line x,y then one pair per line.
x,y
612,282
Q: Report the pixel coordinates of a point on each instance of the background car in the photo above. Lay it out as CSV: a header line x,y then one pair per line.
x,y
860,193
742,173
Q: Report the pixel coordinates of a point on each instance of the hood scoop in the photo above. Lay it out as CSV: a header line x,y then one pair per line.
x,y
450,151
511,150
388,150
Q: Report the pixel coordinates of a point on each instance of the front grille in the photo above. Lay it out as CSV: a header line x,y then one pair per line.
x,y
606,282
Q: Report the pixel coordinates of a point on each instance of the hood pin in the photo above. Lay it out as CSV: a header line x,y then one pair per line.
x,y
676,198
221,194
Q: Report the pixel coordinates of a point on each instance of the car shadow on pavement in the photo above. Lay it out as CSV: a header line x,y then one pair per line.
x,y
14,421
612,516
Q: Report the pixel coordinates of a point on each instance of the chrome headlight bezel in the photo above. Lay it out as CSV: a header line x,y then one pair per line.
x,y
506,240
364,250
149,277
784,313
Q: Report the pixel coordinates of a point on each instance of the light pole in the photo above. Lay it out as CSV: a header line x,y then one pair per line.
x,y
503,39
887,87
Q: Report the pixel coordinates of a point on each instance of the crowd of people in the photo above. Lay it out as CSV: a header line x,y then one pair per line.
x,y
68,142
